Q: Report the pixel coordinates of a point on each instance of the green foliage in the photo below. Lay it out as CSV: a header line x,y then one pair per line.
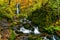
x,y
1,2
57,27
41,15
39,38
12,36
6,12
27,26
35,37
46,15
50,29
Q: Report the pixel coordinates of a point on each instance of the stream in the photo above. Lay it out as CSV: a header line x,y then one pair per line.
x,y
36,31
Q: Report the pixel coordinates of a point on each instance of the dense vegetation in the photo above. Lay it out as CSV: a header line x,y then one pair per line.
x,y
44,14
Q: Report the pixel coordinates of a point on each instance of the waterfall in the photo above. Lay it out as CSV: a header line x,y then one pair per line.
x,y
53,37
17,10
36,31
45,38
25,31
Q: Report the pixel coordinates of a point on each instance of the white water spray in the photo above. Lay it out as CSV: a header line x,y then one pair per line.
x,y
53,37
25,31
36,31
17,10
45,38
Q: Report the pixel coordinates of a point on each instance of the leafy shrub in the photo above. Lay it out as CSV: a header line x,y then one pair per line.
x,y
46,15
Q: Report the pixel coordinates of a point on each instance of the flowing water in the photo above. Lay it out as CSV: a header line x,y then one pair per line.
x,y
17,10
36,30
25,31
45,38
54,37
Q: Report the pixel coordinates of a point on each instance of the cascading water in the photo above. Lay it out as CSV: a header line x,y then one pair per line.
x,y
56,37
25,31
45,38
53,37
24,21
36,31
17,10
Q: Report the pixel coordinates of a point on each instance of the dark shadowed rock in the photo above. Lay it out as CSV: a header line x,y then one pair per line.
x,y
4,23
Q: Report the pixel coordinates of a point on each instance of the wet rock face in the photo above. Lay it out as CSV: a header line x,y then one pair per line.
x,y
25,21
4,23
